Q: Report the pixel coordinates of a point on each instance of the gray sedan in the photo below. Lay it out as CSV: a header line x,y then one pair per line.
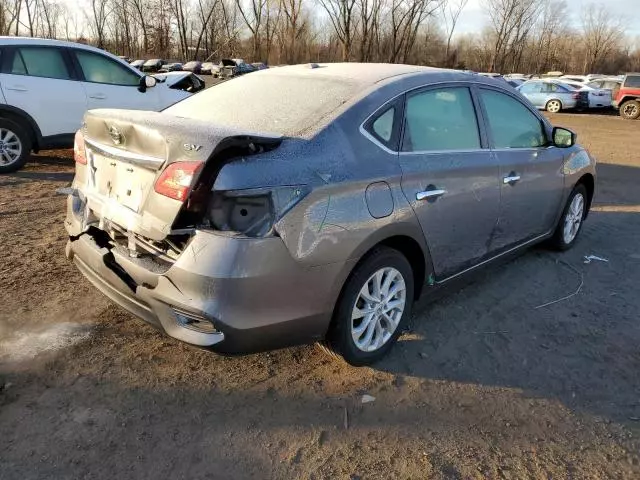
x,y
553,96
323,212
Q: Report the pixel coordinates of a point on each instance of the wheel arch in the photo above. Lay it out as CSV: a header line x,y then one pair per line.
x,y
589,183
20,116
413,249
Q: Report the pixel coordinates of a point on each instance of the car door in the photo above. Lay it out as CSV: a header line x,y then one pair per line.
x,y
449,176
109,84
530,168
39,81
533,92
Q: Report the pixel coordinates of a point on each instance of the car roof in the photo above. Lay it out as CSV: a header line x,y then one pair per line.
x,y
32,41
366,74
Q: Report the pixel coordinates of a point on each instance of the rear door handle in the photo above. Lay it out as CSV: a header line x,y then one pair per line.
x,y
511,179
427,194
98,96
18,88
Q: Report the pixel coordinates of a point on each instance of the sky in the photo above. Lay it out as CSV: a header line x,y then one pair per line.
x,y
473,18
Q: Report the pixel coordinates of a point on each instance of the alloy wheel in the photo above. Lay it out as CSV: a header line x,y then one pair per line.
x,y
10,147
573,218
554,106
630,110
378,309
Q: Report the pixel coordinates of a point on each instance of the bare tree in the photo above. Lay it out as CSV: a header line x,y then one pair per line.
x,y
602,34
511,22
451,11
342,16
101,10
253,16
369,26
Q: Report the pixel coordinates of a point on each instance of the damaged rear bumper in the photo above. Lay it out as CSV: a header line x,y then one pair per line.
x,y
232,295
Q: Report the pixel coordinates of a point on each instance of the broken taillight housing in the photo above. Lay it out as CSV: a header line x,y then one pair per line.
x,y
253,213
79,153
176,180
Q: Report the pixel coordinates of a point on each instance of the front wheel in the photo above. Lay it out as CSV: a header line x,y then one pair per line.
x,y
553,106
571,221
373,308
630,110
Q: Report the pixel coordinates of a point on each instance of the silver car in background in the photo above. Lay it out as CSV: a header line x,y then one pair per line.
x,y
554,96
323,212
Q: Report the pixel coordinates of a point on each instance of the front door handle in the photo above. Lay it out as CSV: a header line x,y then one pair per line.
x,y
511,179
18,88
430,194
98,96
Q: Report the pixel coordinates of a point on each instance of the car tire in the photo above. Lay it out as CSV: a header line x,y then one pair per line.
x,y
360,338
15,145
572,219
553,106
630,110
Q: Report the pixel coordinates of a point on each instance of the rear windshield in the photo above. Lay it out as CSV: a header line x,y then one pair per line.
x,y
283,104
632,81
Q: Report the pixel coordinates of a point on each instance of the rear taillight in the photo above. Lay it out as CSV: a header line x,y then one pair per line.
x,y
175,181
79,153
575,96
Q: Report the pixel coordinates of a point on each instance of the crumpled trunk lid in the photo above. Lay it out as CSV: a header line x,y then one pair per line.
x,y
127,151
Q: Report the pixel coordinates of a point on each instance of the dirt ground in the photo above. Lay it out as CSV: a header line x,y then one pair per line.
x,y
483,386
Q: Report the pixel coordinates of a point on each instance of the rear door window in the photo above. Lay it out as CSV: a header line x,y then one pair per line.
x,y
45,62
511,123
443,119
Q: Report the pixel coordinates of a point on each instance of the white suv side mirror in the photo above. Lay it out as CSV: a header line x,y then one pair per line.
x,y
147,82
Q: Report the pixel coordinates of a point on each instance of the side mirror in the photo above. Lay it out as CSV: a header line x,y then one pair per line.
x,y
147,82
563,137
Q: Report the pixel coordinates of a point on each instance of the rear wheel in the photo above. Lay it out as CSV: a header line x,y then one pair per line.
x,y
553,106
570,223
373,307
630,110
15,146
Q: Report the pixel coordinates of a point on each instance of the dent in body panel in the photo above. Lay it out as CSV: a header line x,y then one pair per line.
x,y
575,162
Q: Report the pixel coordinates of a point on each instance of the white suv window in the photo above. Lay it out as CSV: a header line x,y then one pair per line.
x,y
100,69
40,62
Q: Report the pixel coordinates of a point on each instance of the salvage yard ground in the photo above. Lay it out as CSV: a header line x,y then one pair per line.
x,y
484,385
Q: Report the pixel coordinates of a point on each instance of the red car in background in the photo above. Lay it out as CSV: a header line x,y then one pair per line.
x,y
627,99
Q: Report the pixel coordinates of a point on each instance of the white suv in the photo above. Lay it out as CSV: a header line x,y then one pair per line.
x,y
46,86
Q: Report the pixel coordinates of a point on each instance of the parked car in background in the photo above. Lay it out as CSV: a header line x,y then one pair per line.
x,y
124,58
233,67
627,99
209,68
48,85
152,65
552,96
137,64
186,81
608,83
598,97
575,78
193,66
171,67
322,217
259,66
